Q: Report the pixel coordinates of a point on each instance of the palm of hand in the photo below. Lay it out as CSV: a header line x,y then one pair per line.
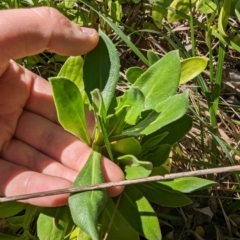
x,y
36,154
29,135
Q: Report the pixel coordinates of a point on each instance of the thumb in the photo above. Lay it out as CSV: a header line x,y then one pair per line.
x,y
25,32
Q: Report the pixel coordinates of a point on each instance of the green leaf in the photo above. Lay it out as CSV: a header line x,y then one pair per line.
x,y
126,146
223,17
116,122
69,3
133,73
188,184
79,234
120,228
30,215
98,104
135,208
165,168
176,130
158,12
152,57
54,223
70,107
170,110
73,70
133,98
9,209
163,195
141,125
151,143
101,69
182,6
158,156
192,67
206,6
161,80
86,207
135,168
237,10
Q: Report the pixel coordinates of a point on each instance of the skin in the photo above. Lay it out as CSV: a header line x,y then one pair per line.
x,y
36,153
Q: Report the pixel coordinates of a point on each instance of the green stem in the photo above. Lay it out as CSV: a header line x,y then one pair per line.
x,y
192,29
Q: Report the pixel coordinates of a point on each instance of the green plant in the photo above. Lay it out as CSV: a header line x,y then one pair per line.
x,y
149,117
135,130
218,25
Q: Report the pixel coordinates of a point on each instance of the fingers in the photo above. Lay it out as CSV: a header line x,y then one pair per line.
x,y
18,152
50,139
27,32
16,180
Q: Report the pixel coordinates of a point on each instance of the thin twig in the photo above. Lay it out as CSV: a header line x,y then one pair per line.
x,y
121,183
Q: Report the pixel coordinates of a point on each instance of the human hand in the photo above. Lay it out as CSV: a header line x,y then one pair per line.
x,y
36,154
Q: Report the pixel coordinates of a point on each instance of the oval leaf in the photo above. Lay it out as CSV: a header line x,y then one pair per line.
x,y
78,234
86,207
127,146
176,130
101,69
70,107
182,6
73,70
158,12
133,98
149,143
159,155
141,125
170,110
120,228
206,6
116,122
135,208
191,67
161,80
188,184
133,73
134,168
54,223
152,57
163,195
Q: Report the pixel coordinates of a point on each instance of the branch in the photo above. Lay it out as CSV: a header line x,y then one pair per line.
x,y
121,183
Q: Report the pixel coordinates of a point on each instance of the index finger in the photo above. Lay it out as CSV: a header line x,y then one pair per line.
x,y
27,32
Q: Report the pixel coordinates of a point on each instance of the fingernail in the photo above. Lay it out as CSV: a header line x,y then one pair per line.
x,y
89,31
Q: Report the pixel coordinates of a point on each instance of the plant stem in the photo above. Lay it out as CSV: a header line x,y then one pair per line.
x,y
192,30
